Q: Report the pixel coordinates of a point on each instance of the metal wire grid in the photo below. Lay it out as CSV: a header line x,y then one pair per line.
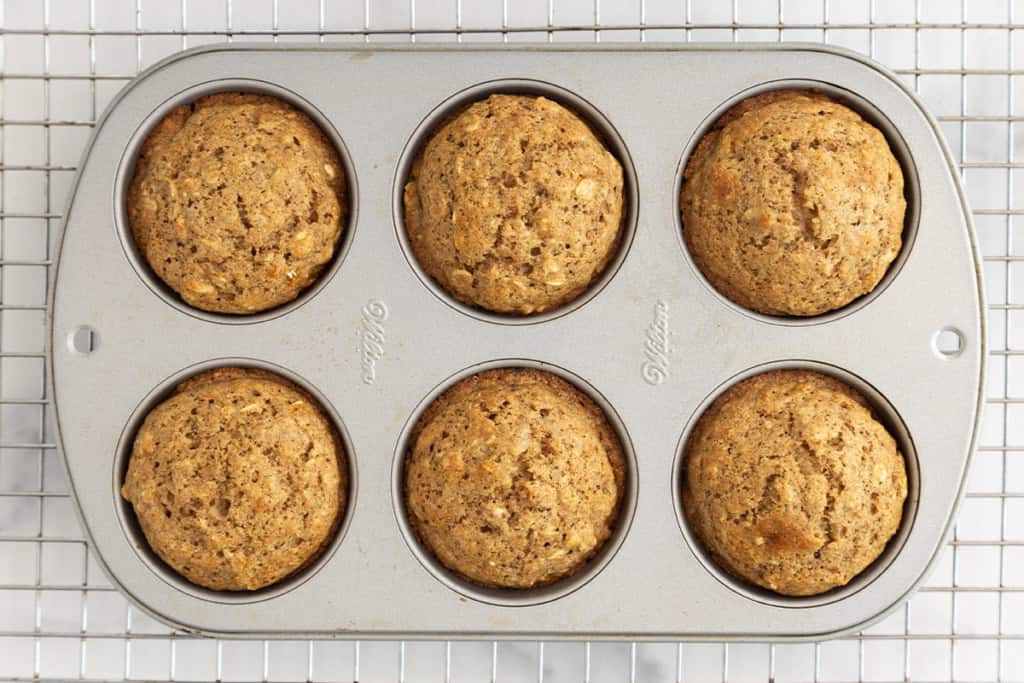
x,y
62,61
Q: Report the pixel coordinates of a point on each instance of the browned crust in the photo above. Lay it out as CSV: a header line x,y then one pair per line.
x,y
482,293
737,111
164,132
738,392
231,373
563,389
795,230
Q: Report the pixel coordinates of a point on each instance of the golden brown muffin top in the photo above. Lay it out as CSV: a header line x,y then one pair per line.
x,y
237,202
791,483
513,478
238,479
792,204
514,205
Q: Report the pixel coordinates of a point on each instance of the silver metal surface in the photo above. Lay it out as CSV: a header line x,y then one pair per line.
x,y
62,62
143,341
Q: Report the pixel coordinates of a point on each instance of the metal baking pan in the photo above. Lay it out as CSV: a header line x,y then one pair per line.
x,y
652,342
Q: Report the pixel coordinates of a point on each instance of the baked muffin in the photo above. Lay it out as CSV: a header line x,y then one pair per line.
x,y
791,483
237,202
238,480
792,204
513,478
514,205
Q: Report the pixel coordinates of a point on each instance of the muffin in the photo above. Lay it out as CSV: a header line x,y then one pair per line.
x,y
791,483
238,480
237,202
792,204
514,205
513,478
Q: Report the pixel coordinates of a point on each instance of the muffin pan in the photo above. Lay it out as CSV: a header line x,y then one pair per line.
x,y
374,339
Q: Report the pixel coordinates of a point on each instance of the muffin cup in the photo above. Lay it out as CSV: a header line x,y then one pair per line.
x,y
890,419
872,115
133,531
126,171
516,597
597,122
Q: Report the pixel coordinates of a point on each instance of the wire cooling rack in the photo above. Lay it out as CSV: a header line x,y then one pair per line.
x,y
64,60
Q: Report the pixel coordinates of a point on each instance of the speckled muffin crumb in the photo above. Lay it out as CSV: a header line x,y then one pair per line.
x,y
792,204
238,480
513,478
514,205
237,202
791,483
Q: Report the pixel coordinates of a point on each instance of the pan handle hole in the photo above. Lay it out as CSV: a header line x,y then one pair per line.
x,y
948,343
83,340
